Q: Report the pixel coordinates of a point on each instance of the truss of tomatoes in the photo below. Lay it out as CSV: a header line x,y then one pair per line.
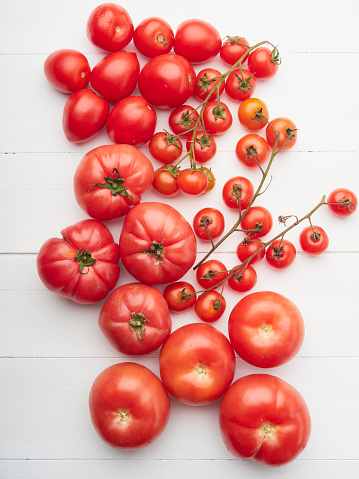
x,y
261,417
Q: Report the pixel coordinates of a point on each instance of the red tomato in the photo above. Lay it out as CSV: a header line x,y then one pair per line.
x,y
240,85
110,179
132,121
82,265
264,62
165,147
281,253
182,119
165,181
180,296
157,244
197,364
206,80
287,133
249,247
115,76
257,222
135,319
167,80
237,192
153,37
192,182
85,114
129,407
266,329
197,40
265,419
217,118
313,240
210,273
208,223
233,49
253,114
109,27
204,146
67,70
252,150
342,202
210,306
244,279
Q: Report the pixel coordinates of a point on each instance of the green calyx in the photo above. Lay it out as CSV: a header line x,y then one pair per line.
x,y
115,185
244,84
157,250
85,259
171,140
137,323
204,140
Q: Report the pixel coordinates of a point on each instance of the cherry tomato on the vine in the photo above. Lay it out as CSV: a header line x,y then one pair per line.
x,y
204,146
252,150
313,241
210,306
197,40
244,279
240,85
208,223
165,181
211,179
153,37
342,202
192,182
287,133
264,62
206,80
180,296
253,114
281,253
67,70
248,247
210,273
182,119
217,117
233,49
237,191
257,222
165,147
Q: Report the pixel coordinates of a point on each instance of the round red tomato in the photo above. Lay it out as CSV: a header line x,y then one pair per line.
x,y
157,244
67,70
84,115
342,202
281,254
249,247
110,179
237,192
197,40
109,27
208,224
180,296
192,182
240,85
204,146
182,119
233,49
82,265
167,80
165,147
257,222
253,114
197,364
135,319
287,133
264,62
252,150
165,181
132,121
210,306
206,80
217,118
153,36
244,279
115,76
313,240
265,419
210,273
129,406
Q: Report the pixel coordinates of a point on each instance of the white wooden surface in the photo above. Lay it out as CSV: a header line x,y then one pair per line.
x,y
51,349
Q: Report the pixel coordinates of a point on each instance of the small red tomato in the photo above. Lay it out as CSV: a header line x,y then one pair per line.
x,y
210,306
287,133
249,247
264,62
240,85
253,114
313,240
237,192
281,254
165,147
180,296
206,80
153,37
233,49
211,179
217,118
197,40
208,224
210,273
67,70
257,222
204,146
342,202
85,114
165,181
244,279
192,182
252,150
182,119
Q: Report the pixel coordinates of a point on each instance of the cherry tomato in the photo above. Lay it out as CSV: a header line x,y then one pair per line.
x,y
182,119
153,37
217,118
248,247
165,181
244,279
165,147
264,62
237,192
132,121
252,150
197,40
313,241
180,296
208,223
257,222
342,202
233,49
67,70
192,182
253,114
206,80
281,253
109,27
287,133
204,146
240,85
210,306
211,179
210,273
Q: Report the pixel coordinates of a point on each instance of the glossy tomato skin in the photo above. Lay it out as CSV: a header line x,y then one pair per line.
x,y
157,244
165,148
342,202
210,273
244,280
109,27
313,241
82,265
237,189
257,222
252,150
249,112
211,179
131,121
129,407
266,329
206,80
192,182
183,118
204,146
217,119
135,319
261,64
167,80
110,179
210,306
153,36
240,85
281,254
287,133
67,70
165,182
265,419
233,49
206,366
84,115
249,247
115,76
180,296
197,40
208,223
